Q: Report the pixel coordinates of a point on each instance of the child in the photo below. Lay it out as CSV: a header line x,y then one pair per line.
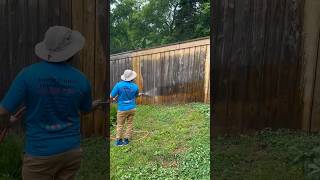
x,y
126,92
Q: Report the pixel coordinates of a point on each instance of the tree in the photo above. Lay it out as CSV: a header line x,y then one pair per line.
x,y
139,24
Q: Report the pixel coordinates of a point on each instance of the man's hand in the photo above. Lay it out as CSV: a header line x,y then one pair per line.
x,y
18,115
94,106
141,94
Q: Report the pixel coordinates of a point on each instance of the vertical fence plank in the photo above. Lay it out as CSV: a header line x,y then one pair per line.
x,y
4,49
100,67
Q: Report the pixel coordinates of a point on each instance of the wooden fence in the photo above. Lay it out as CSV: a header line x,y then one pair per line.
x,y
265,71
23,24
176,73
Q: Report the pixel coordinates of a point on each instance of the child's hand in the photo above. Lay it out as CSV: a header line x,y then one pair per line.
x,y
113,99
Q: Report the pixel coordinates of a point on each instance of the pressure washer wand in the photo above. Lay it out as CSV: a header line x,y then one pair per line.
x,y
107,101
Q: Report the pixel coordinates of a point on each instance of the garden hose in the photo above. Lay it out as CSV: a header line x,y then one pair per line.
x,y
146,133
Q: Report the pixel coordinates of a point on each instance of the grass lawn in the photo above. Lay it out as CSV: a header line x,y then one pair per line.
x,y
177,146
93,165
264,156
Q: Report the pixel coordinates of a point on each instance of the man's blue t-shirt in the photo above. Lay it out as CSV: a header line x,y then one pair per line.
x,y
54,94
127,93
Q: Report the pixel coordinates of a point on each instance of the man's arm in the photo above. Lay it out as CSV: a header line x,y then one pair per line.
x,y
15,95
86,104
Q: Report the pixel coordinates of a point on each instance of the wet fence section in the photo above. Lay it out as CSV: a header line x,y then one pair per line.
x,y
258,64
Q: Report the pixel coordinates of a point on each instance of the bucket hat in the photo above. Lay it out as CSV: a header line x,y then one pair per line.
x,y
60,43
128,75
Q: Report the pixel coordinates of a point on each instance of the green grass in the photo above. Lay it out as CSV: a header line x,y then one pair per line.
x,y
113,114
94,161
93,165
177,146
10,158
262,156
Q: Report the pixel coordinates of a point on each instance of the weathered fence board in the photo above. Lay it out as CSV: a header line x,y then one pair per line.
x,y
23,24
177,73
311,67
257,65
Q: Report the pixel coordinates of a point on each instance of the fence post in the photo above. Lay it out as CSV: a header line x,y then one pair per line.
x,y
137,68
310,68
207,76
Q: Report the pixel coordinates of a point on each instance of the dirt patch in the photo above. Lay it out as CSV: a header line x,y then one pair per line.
x,y
179,150
169,164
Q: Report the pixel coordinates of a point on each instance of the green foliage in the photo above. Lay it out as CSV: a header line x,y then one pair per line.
x,y
176,148
192,19
196,163
94,159
311,163
152,171
203,108
267,154
11,157
113,114
137,24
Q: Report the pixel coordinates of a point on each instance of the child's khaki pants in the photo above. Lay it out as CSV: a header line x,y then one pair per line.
x,y
122,117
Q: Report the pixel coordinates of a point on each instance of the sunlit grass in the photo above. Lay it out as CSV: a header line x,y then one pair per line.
x,y
177,146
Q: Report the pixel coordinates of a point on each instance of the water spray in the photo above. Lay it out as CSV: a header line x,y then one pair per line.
x,y
150,93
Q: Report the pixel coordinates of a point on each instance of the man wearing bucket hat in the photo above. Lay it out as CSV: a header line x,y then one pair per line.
x,y
54,94
126,92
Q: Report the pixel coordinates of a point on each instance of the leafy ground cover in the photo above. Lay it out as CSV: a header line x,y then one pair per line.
x,y
169,142
268,154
